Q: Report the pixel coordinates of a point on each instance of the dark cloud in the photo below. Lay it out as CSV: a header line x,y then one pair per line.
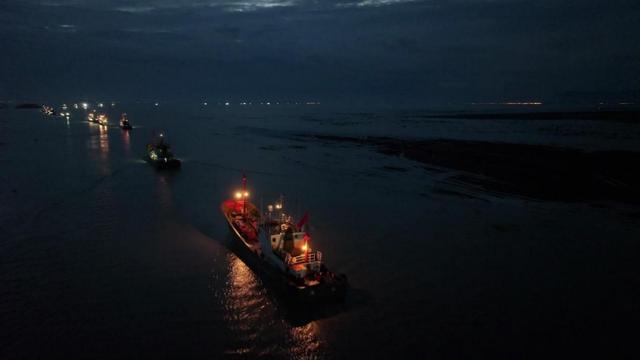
x,y
431,51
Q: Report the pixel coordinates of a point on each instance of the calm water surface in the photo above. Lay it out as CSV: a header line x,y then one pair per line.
x,y
103,256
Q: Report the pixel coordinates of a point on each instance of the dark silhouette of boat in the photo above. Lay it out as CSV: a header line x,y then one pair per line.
x,y
48,110
159,154
124,122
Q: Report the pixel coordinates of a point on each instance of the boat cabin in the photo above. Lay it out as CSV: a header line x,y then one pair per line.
x,y
292,247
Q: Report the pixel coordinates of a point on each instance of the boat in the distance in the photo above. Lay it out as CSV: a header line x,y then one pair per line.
x,y
159,153
92,117
102,119
282,248
124,122
48,110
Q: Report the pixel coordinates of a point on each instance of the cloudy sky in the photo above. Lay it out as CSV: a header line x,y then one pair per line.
x,y
430,51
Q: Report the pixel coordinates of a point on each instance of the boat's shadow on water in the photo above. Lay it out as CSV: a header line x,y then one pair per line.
x,y
295,310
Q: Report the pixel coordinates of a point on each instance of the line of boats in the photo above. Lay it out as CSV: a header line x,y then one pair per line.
x,y
102,119
159,151
50,111
278,244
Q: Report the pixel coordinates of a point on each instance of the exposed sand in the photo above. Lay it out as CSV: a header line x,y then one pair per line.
x,y
534,171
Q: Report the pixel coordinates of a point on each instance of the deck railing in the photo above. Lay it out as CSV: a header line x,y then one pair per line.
x,y
310,257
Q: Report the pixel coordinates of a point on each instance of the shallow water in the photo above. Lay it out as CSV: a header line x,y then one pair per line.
x,y
103,256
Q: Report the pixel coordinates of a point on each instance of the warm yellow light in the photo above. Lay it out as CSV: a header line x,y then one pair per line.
x,y
304,247
238,195
246,194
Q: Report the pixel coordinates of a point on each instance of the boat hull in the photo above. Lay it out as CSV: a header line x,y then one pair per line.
x,y
164,161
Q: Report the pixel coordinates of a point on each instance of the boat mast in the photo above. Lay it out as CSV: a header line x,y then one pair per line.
x,y
244,191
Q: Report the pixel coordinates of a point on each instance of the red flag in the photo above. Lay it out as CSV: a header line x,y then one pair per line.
x,y
304,220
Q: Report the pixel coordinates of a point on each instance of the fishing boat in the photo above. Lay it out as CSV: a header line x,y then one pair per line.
x,y
102,119
282,248
48,110
92,117
159,154
124,122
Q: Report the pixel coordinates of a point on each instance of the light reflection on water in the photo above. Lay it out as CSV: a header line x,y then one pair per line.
x,y
252,318
104,142
163,191
305,341
99,146
126,140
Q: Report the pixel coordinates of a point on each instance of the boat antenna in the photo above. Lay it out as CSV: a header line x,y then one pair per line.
x,y
244,191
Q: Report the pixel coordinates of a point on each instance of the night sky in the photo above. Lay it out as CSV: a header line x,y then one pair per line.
x,y
429,52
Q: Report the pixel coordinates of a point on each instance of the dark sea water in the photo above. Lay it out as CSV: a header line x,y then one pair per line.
x,y
102,256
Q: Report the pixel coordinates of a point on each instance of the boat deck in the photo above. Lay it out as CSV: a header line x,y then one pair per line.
x,y
247,229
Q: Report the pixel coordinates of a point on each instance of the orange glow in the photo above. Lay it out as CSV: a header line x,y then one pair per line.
x,y
126,141
103,143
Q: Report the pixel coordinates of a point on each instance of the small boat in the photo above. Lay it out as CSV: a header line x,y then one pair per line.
x,y
160,155
48,110
124,122
102,119
283,248
92,117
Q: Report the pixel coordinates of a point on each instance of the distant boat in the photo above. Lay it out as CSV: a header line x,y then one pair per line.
x,y
159,154
124,122
102,119
282,248
48,110
92,117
